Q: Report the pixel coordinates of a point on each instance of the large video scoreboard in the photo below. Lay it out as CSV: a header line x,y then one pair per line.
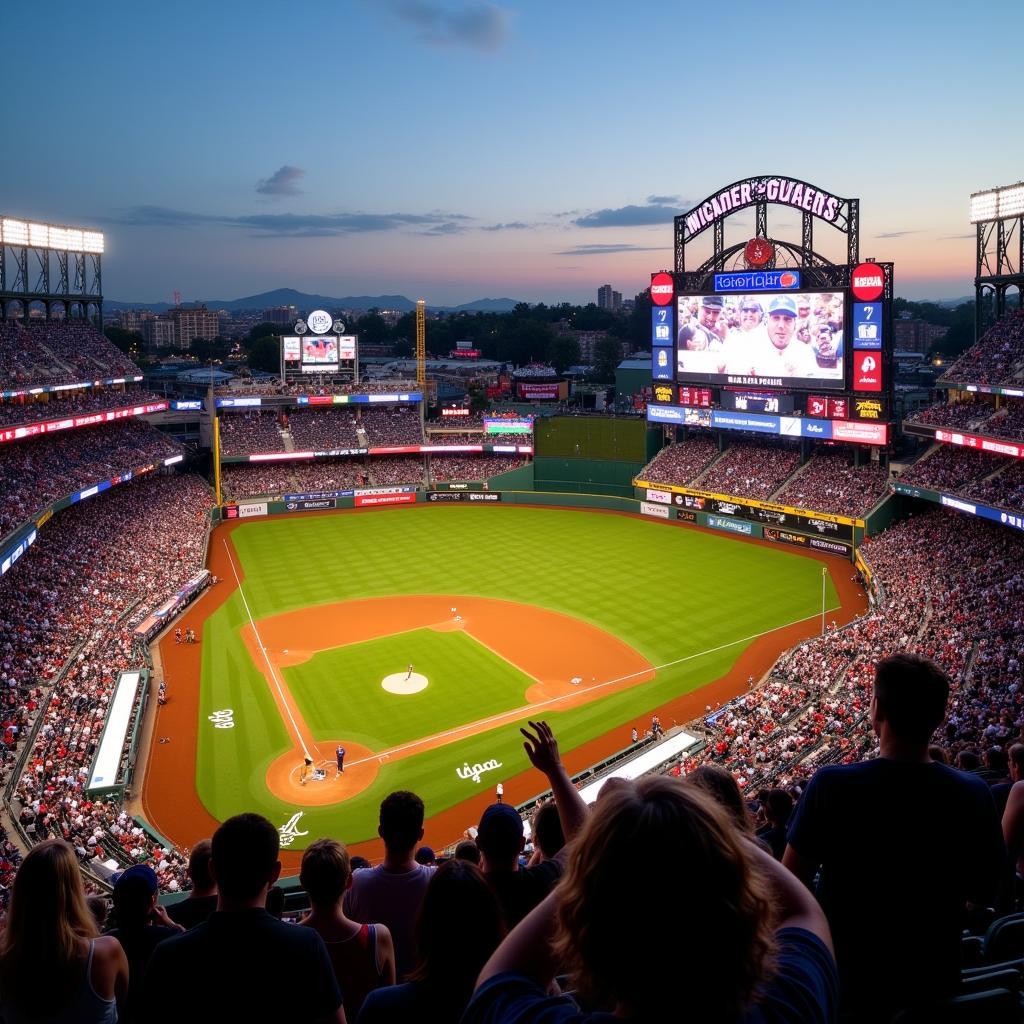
x,y
804,352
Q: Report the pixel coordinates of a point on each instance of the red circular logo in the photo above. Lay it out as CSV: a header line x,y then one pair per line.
x,y
787,280
661,289
867,282
758,251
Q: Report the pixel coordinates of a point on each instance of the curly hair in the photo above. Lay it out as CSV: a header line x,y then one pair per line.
x,y
660,885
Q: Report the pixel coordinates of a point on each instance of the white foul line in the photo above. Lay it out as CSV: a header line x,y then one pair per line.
x,y
518,712
266,657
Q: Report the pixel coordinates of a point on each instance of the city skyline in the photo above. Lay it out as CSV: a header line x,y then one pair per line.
x,y
463,150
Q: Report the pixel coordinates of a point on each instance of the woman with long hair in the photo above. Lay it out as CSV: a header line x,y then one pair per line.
x,y
459,925
666,910
54,967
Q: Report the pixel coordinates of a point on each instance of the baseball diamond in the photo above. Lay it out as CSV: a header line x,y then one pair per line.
x,y
486,617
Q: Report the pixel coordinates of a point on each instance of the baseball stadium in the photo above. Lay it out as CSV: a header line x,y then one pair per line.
x,y
297,597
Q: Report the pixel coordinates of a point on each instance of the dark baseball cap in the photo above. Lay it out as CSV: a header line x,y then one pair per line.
x,y
500,829
424,855
711,301
782,305
751,304
141,875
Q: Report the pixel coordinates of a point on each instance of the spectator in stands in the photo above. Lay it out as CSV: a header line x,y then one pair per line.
x,y
468,850
910,839
500,834
202,900
722,787
141,924
625,868
546,829
53,966
460,925
362,955
219,970
392,892
777,806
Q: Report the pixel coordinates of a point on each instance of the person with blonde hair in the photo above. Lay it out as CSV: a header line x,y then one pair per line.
x,y
727,933
362,955
54,965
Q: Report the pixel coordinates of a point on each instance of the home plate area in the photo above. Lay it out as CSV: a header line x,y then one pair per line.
x,y
404,682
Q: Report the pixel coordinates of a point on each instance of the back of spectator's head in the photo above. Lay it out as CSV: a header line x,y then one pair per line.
x,y
968,761
46,920
135,895
401,821
938,753
669,830
326,872
275,901
997,760
1016,758
357,863
244,860
778,805
500,835
199,866
460,924
98,908
468,850
910,696
424,856
546,828
723,787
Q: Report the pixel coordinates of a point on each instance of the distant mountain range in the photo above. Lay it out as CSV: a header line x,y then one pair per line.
x,y
306,302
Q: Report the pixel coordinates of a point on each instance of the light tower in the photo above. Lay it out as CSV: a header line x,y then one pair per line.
x,y
421,343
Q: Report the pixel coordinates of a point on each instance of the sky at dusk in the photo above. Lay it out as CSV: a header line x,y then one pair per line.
x,y
456,150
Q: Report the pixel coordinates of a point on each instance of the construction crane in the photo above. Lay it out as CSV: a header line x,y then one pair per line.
x,y
421,343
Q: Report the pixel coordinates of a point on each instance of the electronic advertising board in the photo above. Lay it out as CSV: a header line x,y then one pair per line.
x,y
795,340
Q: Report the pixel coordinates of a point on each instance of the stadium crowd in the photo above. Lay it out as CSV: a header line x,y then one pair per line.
x,y
968,413
952,468
300,477
36,472
323,429
829,482
62,404
472,467
679,464
314,386
1009,422
996,358
391,426
250,433
67,614
58,352
386,470
750,470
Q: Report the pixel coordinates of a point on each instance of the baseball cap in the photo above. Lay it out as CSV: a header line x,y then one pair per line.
x,y
141,875
500,830
750,304
425,855
782,304
711,301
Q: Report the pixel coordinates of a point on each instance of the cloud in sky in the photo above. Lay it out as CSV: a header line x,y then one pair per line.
x,y
604,250
515,225
943,238
283,182
659,210
295,225
477,26
898,234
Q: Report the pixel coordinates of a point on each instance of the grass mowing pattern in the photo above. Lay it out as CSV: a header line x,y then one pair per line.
x,y
339,690
671,593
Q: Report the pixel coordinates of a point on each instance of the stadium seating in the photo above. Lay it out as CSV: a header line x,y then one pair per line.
x,y
750,470
996,358
58,352
829,482
62,404
471,467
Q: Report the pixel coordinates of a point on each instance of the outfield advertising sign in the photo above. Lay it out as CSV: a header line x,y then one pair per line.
x,y
370,500
652,509
731,525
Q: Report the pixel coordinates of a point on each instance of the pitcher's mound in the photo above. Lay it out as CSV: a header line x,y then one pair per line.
x,y
402,682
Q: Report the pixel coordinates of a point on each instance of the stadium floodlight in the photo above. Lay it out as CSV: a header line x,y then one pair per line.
x,y
997,203
49,236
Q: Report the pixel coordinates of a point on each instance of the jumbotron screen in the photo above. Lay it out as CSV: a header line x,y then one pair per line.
x,y
785,340
320,350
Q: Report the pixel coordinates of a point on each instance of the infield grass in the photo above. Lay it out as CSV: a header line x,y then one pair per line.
x,y
687,600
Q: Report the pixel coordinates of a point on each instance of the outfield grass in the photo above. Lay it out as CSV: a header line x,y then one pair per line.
x,y
675,595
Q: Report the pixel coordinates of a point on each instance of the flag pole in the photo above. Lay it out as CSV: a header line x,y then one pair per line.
x,y
824,572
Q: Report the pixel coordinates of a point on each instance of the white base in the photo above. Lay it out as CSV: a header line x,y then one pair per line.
x,y
402,683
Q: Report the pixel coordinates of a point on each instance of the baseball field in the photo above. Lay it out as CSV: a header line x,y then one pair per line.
x,y
420,639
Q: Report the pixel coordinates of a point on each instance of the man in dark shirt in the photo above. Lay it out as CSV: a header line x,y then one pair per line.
x,y
141,926
202,900
903,843
220,969
500,836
